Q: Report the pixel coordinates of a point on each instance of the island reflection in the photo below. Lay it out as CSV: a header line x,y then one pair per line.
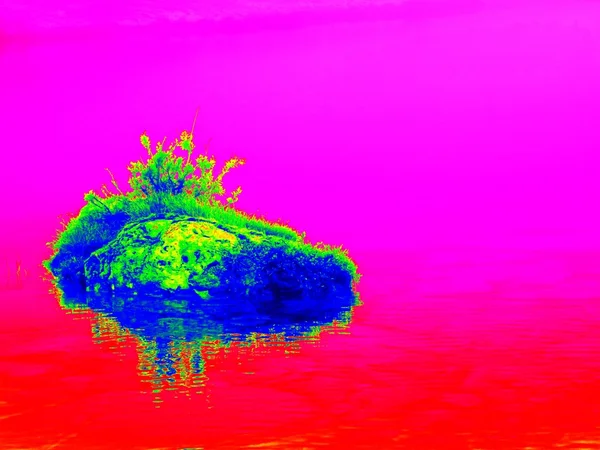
x,y
178,338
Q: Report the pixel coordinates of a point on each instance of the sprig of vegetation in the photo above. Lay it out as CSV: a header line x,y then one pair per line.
x,y
167,173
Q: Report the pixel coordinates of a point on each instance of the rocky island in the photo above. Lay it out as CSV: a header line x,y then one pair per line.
x,y
174,235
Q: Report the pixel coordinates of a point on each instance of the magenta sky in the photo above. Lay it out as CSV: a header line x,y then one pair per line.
x,y
473,125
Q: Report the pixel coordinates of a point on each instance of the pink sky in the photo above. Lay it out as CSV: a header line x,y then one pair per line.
x,y
472,125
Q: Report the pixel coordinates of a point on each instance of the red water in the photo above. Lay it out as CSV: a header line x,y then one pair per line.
x,y
454,154
451,349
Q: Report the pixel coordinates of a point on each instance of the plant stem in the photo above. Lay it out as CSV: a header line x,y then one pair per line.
x,y
99,202
192,134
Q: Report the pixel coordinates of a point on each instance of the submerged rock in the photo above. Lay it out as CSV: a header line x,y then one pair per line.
x,y
203,258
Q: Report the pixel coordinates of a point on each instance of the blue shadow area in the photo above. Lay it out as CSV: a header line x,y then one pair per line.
x,y
170,321
149,315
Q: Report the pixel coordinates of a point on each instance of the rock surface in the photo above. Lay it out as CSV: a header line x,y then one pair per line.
x,y
202,257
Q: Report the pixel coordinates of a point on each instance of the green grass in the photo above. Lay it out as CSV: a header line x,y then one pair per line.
x,y
169,184
95,226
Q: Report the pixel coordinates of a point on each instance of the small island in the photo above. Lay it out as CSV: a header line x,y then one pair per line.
x,y
177,233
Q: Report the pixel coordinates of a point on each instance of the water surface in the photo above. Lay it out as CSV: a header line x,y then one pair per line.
x,y
453,152
451,349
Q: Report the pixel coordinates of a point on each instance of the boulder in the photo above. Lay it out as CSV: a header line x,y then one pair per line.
x,y
204,258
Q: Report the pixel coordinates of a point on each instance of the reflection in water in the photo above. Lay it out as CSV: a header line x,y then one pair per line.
x,y
178,338
454,349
